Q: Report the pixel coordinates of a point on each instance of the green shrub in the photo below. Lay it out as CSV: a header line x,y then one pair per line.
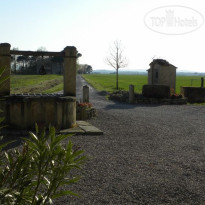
x,y
36,173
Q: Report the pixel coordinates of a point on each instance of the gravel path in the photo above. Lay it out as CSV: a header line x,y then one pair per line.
x,y
147,155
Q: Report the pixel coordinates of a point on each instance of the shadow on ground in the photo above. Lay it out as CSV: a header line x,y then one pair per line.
x,y
121,105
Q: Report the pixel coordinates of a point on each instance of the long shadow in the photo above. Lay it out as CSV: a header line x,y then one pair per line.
x,y
102,93
124,105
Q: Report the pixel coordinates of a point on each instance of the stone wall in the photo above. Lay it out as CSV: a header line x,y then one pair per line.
x,y
156,91
123,96
194,94
168,76
23,112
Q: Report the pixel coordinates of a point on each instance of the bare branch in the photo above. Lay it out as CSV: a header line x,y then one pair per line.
x,y
115,58
109,62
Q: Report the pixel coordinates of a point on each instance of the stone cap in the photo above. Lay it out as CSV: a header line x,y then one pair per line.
x,y
38,97
161,62
70,51
5,45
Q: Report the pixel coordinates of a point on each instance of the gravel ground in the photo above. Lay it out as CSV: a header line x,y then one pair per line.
x,y
147,155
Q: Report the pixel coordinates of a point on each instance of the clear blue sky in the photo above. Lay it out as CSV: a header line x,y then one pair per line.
x,y
92,26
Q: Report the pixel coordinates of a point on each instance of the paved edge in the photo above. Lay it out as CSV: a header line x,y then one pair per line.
x,y
83,127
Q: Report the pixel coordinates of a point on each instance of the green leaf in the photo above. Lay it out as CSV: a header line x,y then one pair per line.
x,y
9,157
64,193
2,119
40,169
34,137
81,159
58,139
52,132
36,128
46,180
32,145
70,181
3,79
2,69
5,144
77,153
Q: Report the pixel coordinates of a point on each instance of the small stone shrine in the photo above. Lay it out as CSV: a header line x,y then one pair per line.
x,y
161,72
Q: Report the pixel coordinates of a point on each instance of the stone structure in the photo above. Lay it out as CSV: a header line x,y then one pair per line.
x,y
156,91
5,61
85,94
23,111
162,72
131,94
194,94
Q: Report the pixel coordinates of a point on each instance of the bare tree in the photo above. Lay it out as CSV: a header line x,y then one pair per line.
x,y
116,58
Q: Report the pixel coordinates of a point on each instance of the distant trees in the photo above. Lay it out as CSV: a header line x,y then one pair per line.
x,y
42,48
52,64
26,64
84,69
32,64
116,58
14,62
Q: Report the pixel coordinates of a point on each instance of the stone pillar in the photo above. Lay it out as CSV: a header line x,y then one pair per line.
x,y
86,94
202,82
131,94
70,71
5,60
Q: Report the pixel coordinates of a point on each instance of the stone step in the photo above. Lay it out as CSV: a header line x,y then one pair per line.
x,y
83,127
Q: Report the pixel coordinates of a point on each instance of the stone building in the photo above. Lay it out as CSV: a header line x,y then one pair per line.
x,y
161,72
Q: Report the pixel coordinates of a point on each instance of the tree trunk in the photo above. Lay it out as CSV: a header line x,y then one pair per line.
x,y
117,78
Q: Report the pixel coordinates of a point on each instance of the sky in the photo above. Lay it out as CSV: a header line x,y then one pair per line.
x,y
93,25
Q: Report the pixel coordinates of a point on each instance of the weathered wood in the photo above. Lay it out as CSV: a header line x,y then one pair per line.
x,y
37,53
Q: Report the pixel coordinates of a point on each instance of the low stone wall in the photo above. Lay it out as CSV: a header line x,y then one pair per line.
x,y
161,101
123,96
156,91
194,94
22,112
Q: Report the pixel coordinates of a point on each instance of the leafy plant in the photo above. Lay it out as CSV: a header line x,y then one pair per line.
x,y
86,105
2,79
36,173
173,95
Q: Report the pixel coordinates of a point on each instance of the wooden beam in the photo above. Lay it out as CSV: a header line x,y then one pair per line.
x,y
37,53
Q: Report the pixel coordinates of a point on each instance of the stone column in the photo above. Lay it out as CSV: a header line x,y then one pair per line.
x,y
202,82
131,94
5,60
70,71
86,94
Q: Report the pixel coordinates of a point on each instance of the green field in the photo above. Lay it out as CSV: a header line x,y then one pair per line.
x,y
36,83
107,82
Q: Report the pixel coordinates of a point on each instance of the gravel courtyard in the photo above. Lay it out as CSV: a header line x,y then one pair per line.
x,y
147,155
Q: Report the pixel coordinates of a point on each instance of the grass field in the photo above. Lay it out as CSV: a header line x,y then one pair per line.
x,y
36,83
107,82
